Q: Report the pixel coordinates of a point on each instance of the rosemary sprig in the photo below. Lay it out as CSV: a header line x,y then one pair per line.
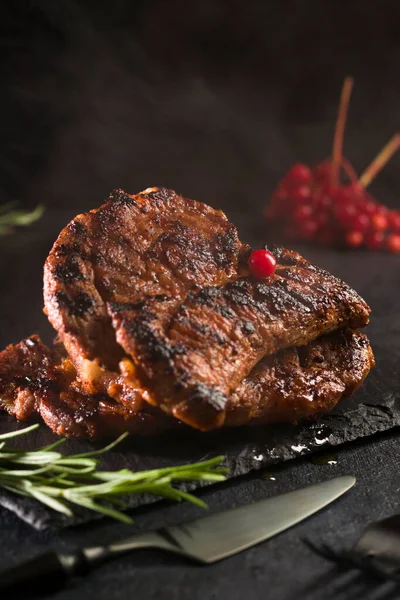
x,y
11,217
60,482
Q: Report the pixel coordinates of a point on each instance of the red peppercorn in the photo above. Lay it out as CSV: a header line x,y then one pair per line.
x,y
354,239
375,240
262,263
393,242
299,174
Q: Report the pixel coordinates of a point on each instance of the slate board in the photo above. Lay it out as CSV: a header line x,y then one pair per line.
x,y
374,408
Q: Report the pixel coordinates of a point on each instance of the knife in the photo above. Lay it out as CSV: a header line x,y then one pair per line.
x,y
205,540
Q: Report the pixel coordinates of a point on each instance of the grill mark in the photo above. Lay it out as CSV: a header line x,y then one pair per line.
x,y
202,393
75,249
77,228
157,347
121,198
206,330
77,307
161,194
68,271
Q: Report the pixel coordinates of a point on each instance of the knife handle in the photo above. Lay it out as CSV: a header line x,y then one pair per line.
x,y
49,571
45,572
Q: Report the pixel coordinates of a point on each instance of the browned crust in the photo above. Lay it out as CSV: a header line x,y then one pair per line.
x,y
218,334
36,382
135,253
292,385
302,383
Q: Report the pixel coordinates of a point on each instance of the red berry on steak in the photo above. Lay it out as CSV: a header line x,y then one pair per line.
x,y
262,263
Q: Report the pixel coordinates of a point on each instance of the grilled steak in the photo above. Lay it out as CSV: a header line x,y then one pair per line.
x,y
37,382
302,383
294,384
169,275
139,255
219,333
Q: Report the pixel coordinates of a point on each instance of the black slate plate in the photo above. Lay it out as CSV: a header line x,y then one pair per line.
x,y
374,408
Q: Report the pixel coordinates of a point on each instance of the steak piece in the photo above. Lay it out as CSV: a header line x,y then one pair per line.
x,y
137,254
293,385
37,382
302,383
218,334
170,276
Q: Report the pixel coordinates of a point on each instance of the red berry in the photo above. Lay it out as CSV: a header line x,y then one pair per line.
x,y
323,172
354,239
299,174
356,189
394,221
343,196
280,194
360,222
381,210
369,208
321,200
301,194
379,222
303,212
308,229
375,240
346,214
262,263
323,218
393,242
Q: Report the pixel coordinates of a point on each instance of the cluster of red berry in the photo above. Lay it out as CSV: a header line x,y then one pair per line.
x,y
313,204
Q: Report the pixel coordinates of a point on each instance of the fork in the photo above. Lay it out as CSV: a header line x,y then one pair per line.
x,y
376,553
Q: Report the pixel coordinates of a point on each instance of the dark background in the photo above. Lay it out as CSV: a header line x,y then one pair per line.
x,y
213,98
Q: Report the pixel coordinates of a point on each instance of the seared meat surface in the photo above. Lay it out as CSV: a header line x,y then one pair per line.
x,y
218,334
292,385
135,255
302,383
160,323
37,382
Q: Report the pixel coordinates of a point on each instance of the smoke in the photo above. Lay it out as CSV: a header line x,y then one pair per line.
x,y
213,99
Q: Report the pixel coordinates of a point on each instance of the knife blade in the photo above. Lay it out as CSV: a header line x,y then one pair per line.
x,y
205,540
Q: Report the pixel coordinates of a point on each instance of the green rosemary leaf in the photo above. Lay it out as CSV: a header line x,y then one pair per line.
x,y
60,482
13,434
21,218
